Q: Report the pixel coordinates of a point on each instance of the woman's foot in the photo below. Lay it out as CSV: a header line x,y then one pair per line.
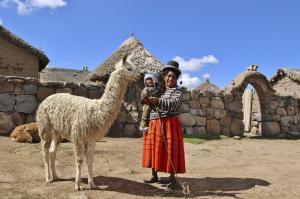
x,y
151,180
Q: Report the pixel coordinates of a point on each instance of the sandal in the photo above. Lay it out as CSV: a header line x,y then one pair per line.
x,y
173,185
151,180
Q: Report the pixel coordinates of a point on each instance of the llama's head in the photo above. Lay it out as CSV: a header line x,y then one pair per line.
x,y
129,70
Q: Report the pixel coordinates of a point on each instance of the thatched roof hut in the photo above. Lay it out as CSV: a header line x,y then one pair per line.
x,y
206,86
64,75
141,57
293,74
286,82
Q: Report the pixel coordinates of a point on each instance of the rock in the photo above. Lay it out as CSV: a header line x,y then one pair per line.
x,y
195,95
290,110
237,127
26,103
209,113
219,113
270,128
116,130
189,130
130,130
187,119
6,87
64,90
186,96
122,117
30,89
294,134
132,117
6,124
184,108
281,111
7,102
43,93
236,107
81,91
197,112
276,118
204,101
94,94
287,120
194,104
213,126
216,102
200,121
18,118
237,137
199,130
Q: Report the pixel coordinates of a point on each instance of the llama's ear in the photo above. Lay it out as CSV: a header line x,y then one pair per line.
x,y
125,57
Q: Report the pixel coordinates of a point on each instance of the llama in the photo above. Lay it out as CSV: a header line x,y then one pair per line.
x,y
82,121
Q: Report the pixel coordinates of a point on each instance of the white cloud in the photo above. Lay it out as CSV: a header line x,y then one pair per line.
x,y
25,7
1,22
195,64
190,82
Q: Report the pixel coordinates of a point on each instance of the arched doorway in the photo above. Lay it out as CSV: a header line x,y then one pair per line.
x,y
262,98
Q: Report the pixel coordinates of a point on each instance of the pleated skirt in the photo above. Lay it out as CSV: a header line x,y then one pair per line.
x,y
163,148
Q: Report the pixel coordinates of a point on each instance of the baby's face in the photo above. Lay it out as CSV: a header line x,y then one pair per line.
x,y
149,82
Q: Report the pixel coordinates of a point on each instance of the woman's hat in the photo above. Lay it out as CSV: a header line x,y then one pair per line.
x,y
173,66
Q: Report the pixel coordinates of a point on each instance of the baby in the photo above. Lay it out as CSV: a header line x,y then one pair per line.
x,y
151,90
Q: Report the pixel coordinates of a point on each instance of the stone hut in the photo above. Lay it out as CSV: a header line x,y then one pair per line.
x,y
286,82
18,58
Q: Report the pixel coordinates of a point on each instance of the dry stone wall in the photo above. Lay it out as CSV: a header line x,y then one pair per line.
x,y
201,113
20,97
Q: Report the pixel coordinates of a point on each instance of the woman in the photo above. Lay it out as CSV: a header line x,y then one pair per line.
x,y
163,149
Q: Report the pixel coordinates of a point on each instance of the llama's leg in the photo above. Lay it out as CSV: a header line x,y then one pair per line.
x,y
45,151
78,151
52,151
89,155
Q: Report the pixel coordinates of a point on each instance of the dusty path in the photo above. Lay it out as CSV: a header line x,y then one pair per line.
x,y
248,168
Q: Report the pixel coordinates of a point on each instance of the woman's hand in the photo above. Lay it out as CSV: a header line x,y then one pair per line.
x,y
153,100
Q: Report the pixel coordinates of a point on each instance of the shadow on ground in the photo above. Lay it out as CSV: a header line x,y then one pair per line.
x,y
197,186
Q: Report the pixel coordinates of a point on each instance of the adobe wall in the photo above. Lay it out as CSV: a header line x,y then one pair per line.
x,y
14,60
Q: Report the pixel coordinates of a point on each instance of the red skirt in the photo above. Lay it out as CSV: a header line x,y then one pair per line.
x,y
160,151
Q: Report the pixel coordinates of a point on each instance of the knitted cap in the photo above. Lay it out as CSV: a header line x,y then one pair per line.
x,y
153,76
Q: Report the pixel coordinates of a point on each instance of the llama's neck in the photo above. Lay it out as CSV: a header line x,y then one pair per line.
x,y
115,89
108,107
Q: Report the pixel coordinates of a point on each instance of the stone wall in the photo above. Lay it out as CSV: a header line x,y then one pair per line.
x,y
14,60
201,113
20,97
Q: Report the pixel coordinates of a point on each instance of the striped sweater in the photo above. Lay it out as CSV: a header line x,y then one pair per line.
x,y
168,104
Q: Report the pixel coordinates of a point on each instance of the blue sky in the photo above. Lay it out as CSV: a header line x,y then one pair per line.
x,y
215,38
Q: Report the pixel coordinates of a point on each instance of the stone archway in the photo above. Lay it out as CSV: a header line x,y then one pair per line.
x,y
265,96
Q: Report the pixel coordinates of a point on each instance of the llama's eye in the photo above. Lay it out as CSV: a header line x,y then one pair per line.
x,y
129,69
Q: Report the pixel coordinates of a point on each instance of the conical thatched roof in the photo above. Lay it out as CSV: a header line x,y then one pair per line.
x,y
293,74
141,57
207,86
43,59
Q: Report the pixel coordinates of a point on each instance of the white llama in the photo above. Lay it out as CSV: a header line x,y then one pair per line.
x,y
82,121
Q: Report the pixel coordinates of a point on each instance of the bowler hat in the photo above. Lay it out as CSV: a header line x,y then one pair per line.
x,y
173,66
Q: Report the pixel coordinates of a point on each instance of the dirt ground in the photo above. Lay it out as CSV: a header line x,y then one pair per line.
x,y
227,168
